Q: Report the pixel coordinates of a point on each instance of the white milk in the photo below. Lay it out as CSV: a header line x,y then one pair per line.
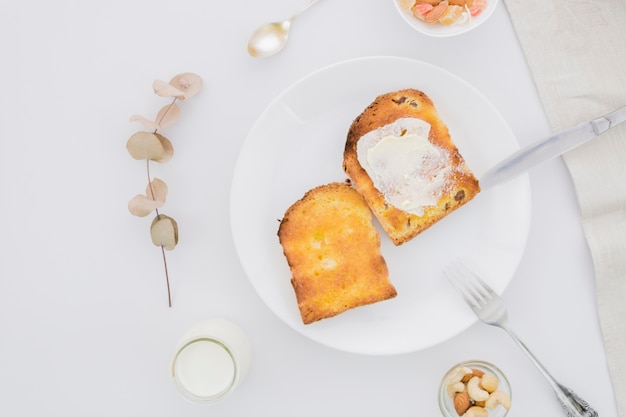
x,y
211,359
205,368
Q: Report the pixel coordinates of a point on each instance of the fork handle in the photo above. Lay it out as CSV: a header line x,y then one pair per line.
x,y
572,404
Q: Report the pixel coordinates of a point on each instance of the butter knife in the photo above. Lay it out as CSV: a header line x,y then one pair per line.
x,y
549,148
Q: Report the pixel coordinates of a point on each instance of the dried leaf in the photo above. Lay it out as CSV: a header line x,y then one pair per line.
x,y
168,149
148,124
189,83
146,145
163,89
168,115
157,190
141,206
164,232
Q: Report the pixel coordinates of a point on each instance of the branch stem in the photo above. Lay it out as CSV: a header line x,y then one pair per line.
x,y
167,278
167,275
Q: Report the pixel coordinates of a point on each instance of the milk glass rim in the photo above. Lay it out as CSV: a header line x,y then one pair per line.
x,y
219,395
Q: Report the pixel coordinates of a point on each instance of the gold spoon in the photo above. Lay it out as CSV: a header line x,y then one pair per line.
x,y
271,38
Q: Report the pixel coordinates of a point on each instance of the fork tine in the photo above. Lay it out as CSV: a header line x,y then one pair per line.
x,y
454,273
482,287
474,290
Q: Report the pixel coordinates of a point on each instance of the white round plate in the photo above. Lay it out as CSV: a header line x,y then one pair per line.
x,y
439,30
297,144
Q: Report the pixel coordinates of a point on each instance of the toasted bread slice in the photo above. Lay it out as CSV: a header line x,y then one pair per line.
x,y
412,188
333,251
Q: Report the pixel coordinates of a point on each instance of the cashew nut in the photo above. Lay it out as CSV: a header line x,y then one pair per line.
x,y
457,374
474,391
498,397
474,372
476,411
489,383
452,389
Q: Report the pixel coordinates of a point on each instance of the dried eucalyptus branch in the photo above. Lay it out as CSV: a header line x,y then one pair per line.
x,y
153,146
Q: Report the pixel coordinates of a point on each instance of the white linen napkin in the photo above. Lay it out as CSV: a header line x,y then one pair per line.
x,y
576,52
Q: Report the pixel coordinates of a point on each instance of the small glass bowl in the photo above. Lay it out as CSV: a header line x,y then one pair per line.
x,y
446,403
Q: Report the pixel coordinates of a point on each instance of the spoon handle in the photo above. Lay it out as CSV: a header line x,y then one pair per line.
x,y
304,9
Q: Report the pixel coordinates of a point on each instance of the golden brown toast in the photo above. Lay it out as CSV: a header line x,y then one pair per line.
x,y
393,114
333,251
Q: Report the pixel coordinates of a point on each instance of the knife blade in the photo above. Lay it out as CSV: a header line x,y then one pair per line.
x,y
549,148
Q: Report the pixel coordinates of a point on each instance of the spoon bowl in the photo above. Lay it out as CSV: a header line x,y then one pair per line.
x,y
271,38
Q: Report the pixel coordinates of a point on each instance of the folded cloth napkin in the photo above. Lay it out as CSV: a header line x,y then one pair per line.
x,y
576,52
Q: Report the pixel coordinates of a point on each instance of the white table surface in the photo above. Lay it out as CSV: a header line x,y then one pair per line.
x,y
84,324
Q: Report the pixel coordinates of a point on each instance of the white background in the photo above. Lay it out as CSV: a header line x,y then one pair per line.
x,y
84,323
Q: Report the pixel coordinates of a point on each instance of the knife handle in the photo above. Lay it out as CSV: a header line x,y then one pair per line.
x,y
615,117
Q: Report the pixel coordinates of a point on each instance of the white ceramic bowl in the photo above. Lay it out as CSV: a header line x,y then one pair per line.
x,y
439,30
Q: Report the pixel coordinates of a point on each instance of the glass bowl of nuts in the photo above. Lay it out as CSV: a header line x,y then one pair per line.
x,y
475,388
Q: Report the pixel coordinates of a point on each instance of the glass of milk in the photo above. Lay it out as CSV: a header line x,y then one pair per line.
x,y
211,360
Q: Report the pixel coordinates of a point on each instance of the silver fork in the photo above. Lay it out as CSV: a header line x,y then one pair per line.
x,y
490,309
